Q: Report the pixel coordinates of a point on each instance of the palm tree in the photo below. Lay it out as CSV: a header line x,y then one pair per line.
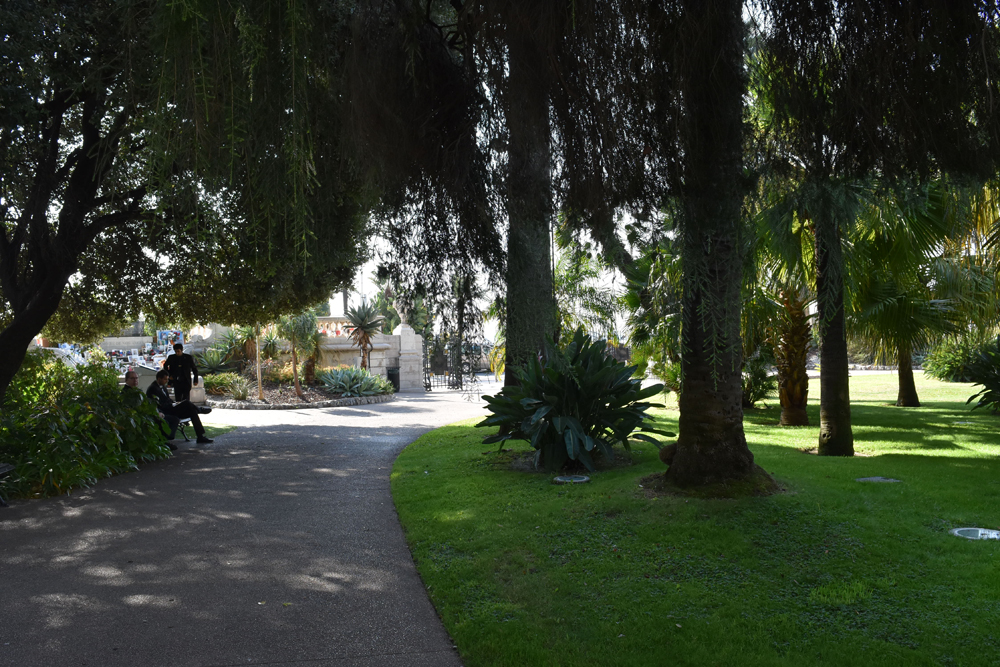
x,y
893,270
365,322
300,330
581,301
791,337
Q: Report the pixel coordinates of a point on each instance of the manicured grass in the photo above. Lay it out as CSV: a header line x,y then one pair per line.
x,y
832,572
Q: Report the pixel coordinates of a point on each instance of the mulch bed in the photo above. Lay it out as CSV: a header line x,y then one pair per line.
x,y
275,393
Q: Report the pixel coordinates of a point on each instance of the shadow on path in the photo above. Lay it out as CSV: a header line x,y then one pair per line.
x,y
277,544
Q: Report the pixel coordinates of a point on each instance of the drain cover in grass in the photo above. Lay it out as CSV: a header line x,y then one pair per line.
x,y
571,479
876,479
976,533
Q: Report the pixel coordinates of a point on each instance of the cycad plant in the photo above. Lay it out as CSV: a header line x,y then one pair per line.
x,y
365,322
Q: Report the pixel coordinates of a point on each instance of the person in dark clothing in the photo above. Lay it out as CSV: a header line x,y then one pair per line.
x,y
132,384
181,366
158,392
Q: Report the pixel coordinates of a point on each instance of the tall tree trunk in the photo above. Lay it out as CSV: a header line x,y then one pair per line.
x,y
791,350
835,435
531,308
295,369
260,383
711,446
463,291
907,397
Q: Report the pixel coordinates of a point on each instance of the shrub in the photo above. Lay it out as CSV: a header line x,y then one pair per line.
x,y
240,388
218,384
984,370
758,382
63,428
575,405
351,381
949,360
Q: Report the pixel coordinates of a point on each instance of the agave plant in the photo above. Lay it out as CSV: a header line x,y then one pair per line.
x,y
350,381
365,322
577,403
213,361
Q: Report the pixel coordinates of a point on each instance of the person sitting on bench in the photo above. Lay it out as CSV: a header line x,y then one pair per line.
x,y
184,410
132,385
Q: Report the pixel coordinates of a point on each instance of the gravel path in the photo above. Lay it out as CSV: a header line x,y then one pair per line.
x,y
278,544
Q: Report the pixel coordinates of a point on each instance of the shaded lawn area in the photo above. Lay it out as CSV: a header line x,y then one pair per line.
x,y
832,572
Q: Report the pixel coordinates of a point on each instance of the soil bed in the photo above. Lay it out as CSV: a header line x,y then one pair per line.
x,y
275,393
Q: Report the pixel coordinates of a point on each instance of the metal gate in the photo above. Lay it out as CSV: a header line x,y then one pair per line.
x,y
450,365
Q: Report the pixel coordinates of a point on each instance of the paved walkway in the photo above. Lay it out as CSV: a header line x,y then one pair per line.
x,y
279,544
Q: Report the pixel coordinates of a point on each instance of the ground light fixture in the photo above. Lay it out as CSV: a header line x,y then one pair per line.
x,y
976,533
571,479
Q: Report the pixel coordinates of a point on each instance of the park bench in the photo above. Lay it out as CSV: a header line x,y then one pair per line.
x,y
5,469
181,425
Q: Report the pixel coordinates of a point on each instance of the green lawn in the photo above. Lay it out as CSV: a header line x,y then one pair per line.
x,y
834,571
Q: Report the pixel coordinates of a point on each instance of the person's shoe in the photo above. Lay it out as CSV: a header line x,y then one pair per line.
x,y
202,440
204,409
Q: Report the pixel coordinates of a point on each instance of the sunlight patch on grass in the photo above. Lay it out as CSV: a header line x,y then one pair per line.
x,y
834,572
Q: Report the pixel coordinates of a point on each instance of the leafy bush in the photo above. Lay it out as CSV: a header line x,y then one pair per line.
x,y
63,428
240,388
984,370
351,381
575,405
758,382
218,384
950,359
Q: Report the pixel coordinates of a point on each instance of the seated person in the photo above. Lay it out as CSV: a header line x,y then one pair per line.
x,y
132,383
158,391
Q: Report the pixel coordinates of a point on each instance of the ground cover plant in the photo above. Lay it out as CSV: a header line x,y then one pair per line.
x,y
830,572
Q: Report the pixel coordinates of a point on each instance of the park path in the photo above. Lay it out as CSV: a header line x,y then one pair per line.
x,y
279,544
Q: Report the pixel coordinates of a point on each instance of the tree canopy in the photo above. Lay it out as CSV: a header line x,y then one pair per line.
x,y
181,158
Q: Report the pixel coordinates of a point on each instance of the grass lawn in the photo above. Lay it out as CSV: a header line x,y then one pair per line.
x,y
832,572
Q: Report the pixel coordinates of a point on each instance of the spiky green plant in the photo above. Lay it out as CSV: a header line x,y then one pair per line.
x,y
576,404
365,322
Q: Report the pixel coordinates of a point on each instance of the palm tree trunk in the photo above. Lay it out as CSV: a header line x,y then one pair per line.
x,y
531,310
791,350
835,435
907,397
711,446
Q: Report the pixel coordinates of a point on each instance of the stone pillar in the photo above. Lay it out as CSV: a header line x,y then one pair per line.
x,y
411,359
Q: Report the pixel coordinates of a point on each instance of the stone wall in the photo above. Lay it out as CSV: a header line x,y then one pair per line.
x,y
337,350
126,343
